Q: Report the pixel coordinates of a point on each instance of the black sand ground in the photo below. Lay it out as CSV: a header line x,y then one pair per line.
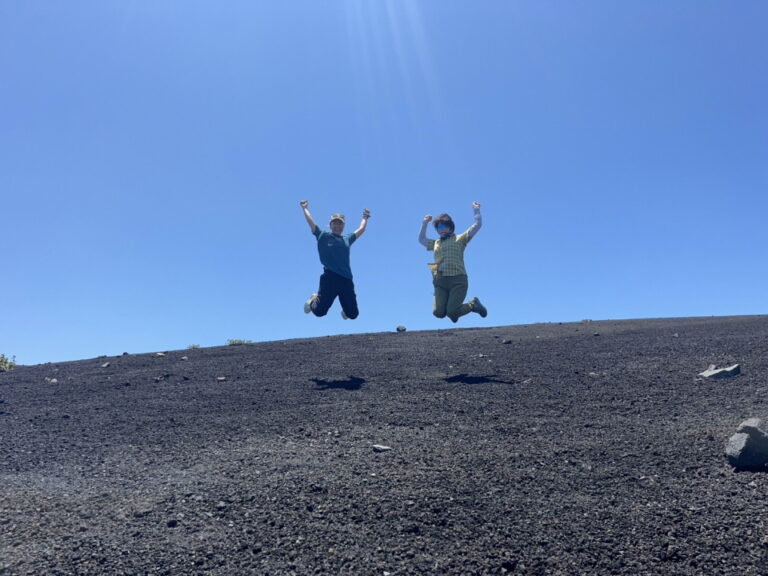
x,y
588,448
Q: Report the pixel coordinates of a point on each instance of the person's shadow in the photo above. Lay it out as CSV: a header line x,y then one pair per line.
x,y
352,383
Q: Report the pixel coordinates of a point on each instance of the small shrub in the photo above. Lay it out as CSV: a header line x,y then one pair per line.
x,y
193,346
7,363
238,342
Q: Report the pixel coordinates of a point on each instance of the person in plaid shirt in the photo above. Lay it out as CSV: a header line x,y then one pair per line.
x,y
449,277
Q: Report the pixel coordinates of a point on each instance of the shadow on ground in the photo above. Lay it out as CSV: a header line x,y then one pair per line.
x,y
352,383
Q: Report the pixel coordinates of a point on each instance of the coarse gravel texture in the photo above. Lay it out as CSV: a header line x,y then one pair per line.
x,y
552,449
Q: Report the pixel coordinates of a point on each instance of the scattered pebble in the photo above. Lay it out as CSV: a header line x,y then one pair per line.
x,y
381,448
401,328
105,365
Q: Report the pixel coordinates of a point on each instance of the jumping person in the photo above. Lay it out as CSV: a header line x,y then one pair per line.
x,y
336,279
449,277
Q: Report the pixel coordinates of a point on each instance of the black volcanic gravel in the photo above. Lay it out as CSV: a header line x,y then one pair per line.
x,y
562,449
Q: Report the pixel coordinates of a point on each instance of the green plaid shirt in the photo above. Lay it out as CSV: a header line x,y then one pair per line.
x,y
449,253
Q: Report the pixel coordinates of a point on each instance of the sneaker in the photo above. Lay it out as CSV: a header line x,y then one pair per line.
x,y
478,307
310,304
344,314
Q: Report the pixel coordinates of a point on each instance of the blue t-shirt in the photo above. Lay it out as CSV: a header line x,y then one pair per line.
x,y
334,251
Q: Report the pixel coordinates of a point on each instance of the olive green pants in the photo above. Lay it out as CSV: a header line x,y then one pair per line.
x,y
450,292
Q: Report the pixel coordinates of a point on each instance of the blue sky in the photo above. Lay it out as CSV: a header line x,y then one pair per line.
x,y
153,156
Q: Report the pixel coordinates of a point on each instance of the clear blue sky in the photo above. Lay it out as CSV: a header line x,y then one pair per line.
x,y
153,156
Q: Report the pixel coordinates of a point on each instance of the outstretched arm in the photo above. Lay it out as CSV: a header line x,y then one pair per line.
x,y
478,223
423,233
305,207
363,223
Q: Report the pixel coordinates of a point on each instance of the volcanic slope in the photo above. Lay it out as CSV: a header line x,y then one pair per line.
x,y
562,449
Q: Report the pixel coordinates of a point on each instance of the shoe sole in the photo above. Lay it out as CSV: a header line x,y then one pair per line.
x,y
308,304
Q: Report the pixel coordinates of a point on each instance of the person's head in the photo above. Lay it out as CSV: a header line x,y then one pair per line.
x,y
444,225
337,224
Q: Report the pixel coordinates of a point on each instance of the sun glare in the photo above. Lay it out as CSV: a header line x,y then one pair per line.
x,y
390,55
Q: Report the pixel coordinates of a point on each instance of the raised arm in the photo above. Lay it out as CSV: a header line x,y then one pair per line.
x,y
305,207
423,233
478,223
363,224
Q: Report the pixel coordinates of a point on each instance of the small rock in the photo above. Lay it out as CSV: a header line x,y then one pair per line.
x,y
172,523
185,357
105,365
221,378
381,448
401,328
717,373
506,341
160,354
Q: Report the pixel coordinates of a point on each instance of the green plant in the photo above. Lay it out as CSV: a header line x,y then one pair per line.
x,y
238,342
7,363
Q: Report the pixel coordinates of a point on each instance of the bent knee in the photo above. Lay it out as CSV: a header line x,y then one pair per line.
x,y
438,314
454,314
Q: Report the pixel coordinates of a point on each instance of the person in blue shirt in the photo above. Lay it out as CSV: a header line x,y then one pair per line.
x,y
336,280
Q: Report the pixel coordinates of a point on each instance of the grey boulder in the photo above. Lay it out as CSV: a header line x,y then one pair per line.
x,y
748,448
